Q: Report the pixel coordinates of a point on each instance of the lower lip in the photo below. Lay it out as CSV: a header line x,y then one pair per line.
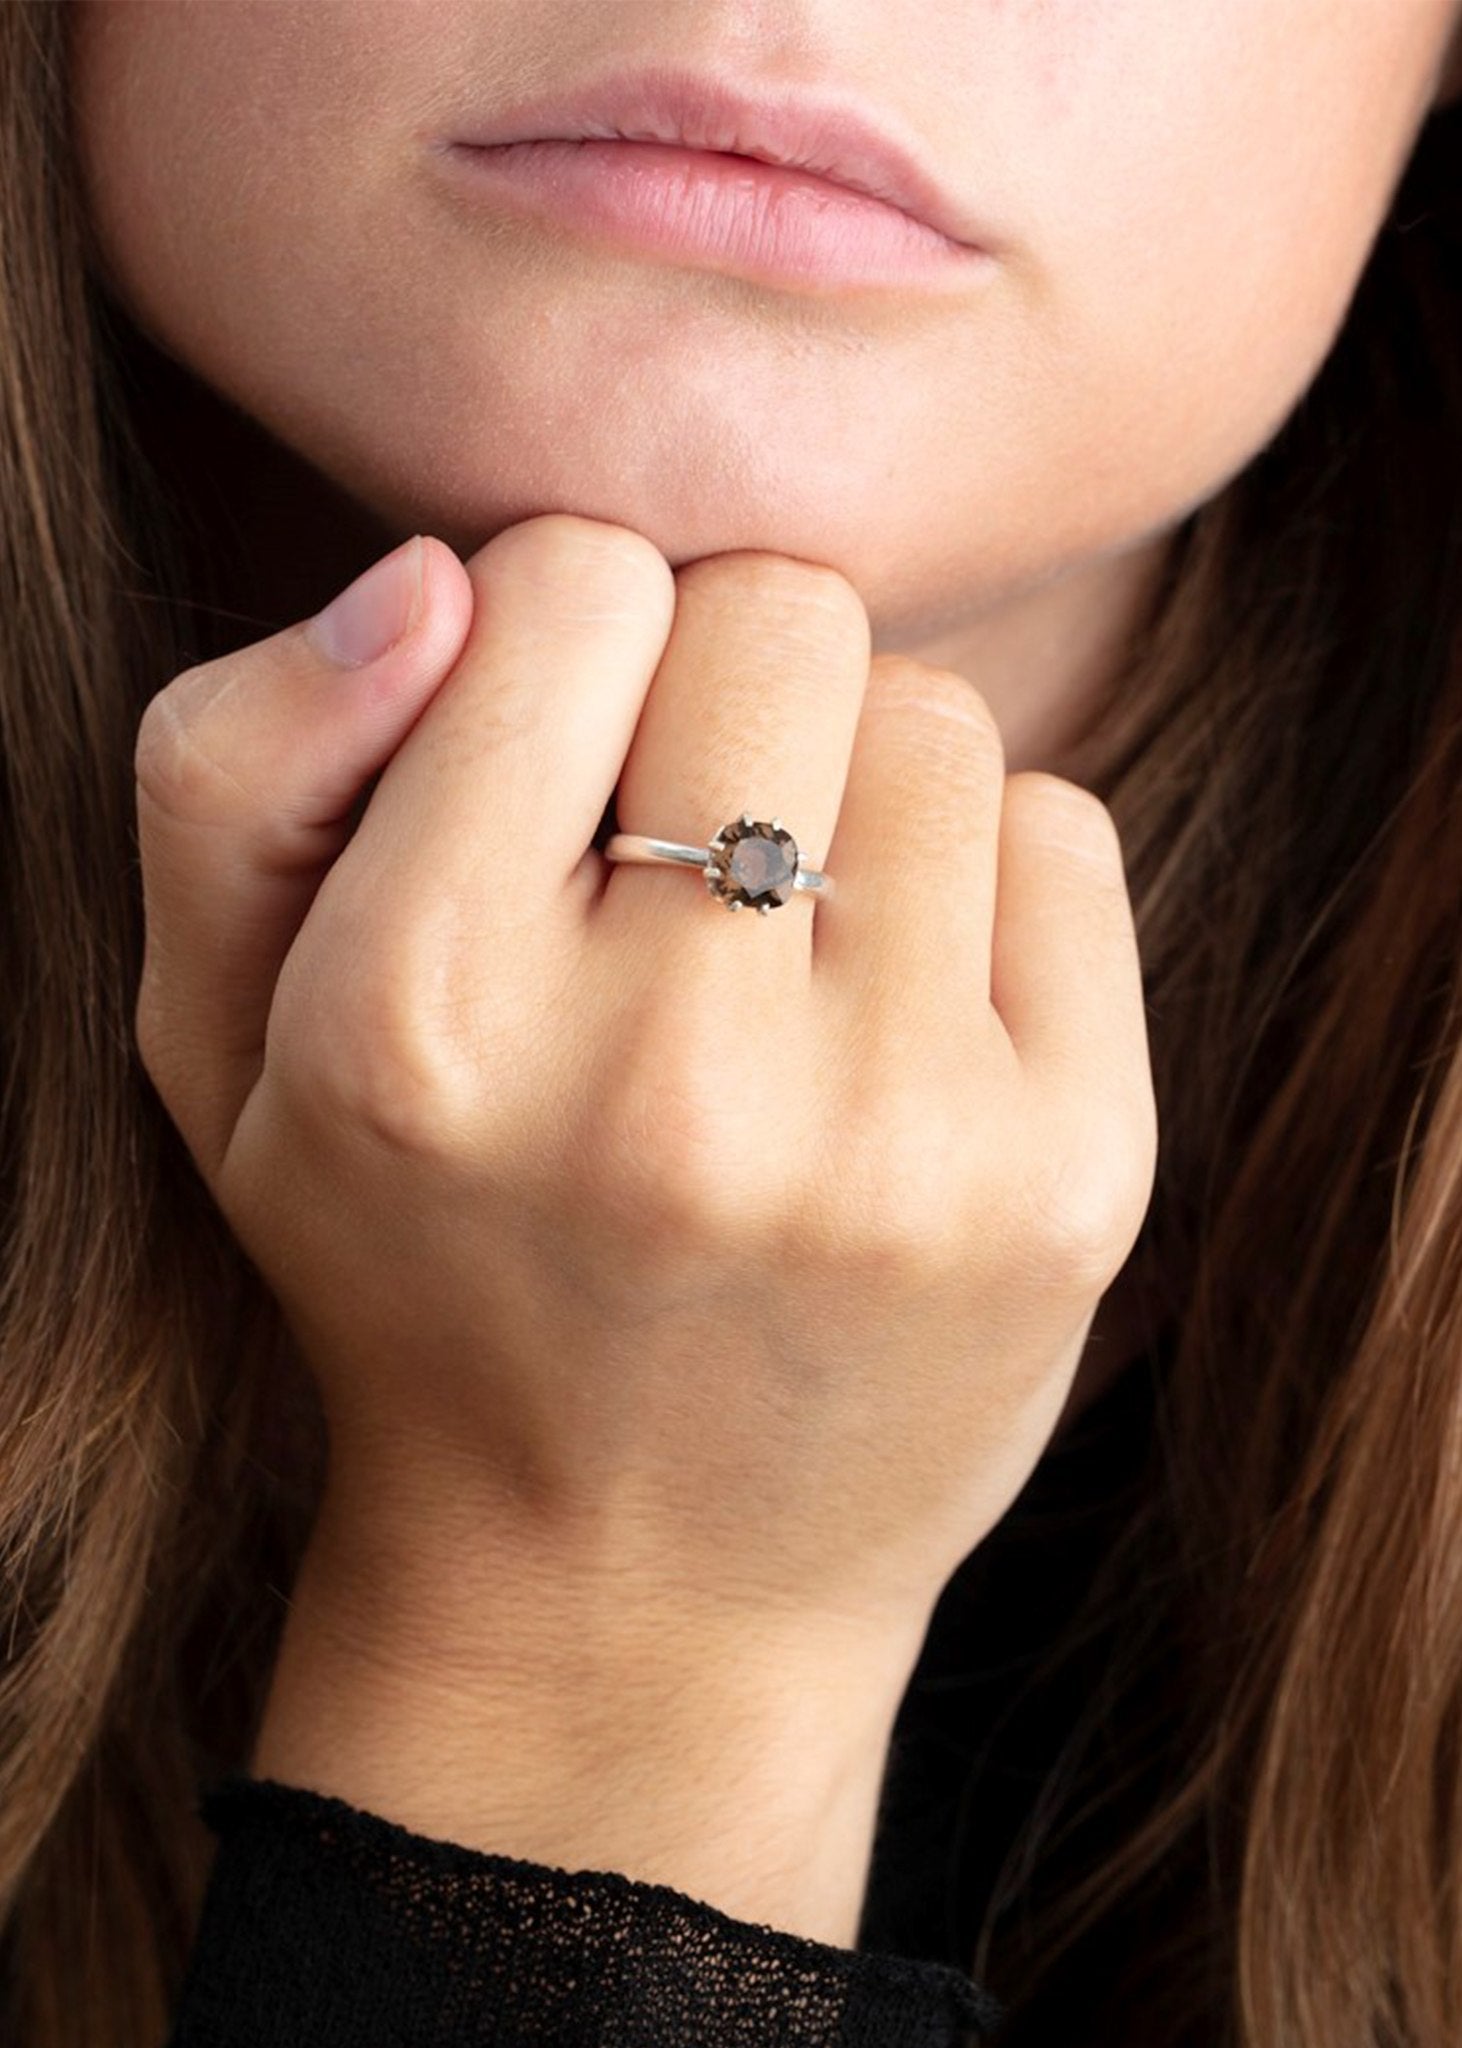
x,y
760,220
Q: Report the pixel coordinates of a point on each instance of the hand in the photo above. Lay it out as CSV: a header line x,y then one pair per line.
x,y
735,1266
688,1293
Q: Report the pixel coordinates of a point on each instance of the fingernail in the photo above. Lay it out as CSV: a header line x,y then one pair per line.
x,y
375,611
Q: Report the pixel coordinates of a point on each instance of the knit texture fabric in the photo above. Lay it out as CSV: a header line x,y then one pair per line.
x,y
330,1926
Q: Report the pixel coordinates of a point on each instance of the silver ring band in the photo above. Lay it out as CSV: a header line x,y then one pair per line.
x,y
752,863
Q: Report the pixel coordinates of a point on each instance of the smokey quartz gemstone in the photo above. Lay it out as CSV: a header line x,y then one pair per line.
x,y
753,862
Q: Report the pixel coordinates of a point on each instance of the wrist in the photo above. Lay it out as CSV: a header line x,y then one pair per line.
x,y
491,1694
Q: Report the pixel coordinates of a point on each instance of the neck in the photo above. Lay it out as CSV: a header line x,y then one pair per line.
x,y
1047,658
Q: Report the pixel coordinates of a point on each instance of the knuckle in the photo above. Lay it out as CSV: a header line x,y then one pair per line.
x,y
592,564
900,681
893,1247
658,1160
1090,1200
924,702
378,1092
174,761
785,592
1066,817
378,1071
893,1209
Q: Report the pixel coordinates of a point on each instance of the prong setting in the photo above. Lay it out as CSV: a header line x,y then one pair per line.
x,y
752,864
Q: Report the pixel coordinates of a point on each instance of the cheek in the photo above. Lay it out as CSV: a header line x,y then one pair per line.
x,y
1165,368
203,135
1204,228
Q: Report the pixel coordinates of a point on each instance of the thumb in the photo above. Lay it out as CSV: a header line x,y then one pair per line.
x,y
248,771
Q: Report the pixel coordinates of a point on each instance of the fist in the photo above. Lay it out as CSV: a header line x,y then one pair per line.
x,y
746,1260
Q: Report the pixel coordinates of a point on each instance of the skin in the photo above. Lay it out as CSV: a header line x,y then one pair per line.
x,y
996,473
996,476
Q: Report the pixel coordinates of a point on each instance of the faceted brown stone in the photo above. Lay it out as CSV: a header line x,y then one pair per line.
x,y
756,863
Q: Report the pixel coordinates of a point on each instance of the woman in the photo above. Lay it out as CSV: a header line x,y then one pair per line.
x,y
821,1508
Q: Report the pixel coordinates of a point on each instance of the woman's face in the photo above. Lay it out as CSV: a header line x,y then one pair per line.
x,y
1179,195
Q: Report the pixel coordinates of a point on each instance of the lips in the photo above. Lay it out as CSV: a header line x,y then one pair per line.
x,y
799,128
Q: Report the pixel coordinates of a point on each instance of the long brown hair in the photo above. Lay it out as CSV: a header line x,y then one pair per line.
x,y
1281,1617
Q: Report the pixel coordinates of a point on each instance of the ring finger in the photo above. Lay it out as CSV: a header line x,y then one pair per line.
x,y
753,709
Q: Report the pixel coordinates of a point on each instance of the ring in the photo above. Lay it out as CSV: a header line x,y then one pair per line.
x,y
752,862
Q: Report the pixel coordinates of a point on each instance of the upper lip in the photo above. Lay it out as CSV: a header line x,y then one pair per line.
x,y
817,131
